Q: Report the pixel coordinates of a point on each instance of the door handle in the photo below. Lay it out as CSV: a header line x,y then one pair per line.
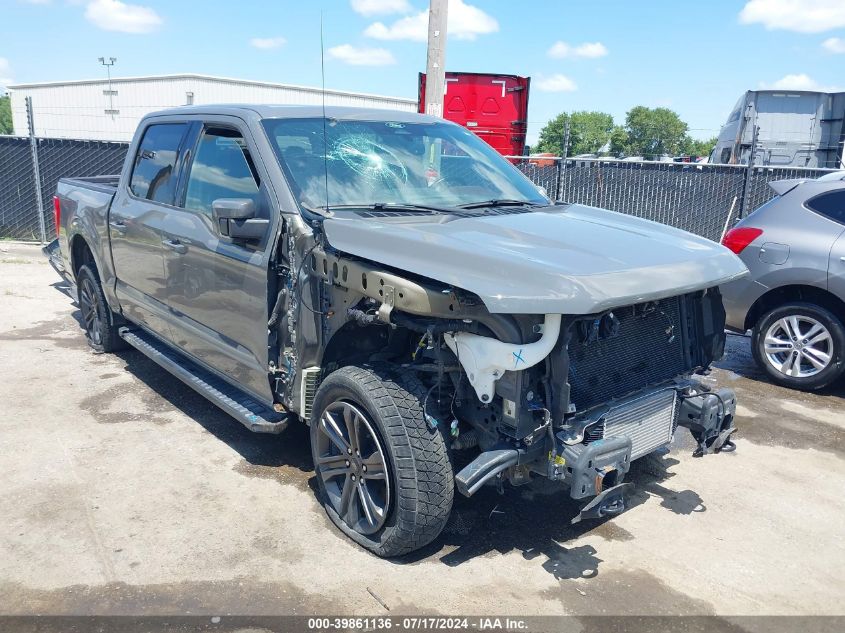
x,y
118,226
176,246
842,259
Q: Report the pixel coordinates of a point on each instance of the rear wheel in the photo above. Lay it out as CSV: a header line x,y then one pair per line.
x,y
384,476
97,319
800,345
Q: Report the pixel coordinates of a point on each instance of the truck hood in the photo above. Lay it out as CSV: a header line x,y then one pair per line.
x,y
570,259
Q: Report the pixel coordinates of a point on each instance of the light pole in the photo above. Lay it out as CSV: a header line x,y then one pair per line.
x,y
108,65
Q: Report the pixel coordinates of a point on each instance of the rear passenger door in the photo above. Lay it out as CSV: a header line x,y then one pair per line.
x,y
216,286
136,220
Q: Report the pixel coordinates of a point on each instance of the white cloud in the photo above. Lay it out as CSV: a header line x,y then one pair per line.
x,y
559,50
411,28
5,73
798,81
465,22
380,7
834,45
113,15
356,56
267,43
803,16
556,83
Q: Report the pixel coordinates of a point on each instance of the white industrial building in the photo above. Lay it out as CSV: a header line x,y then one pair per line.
x,y
103,110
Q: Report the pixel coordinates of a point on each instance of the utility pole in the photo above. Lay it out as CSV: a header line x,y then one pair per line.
x,y
435,67
109,92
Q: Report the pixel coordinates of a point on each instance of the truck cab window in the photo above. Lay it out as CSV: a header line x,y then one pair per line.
x,y
154,174
222,168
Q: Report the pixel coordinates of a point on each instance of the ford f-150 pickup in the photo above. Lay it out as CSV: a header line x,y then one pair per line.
x,y
388,279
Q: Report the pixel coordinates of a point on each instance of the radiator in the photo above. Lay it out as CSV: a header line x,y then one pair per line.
x,y
648,349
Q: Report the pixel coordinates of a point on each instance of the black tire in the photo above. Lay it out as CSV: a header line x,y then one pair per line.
x,y
418,472
806,313
97,318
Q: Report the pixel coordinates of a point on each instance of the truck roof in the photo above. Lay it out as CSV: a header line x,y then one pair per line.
x,y
265,111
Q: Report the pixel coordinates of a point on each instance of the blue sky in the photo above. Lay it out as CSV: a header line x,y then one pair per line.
x,y
695,57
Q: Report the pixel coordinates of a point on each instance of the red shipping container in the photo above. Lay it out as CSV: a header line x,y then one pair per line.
x,y
495,107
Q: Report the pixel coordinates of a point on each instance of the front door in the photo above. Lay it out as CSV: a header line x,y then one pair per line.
x,y
216,286
136,221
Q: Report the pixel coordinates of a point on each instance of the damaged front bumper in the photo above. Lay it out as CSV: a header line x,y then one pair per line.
x,y
709,416
595,468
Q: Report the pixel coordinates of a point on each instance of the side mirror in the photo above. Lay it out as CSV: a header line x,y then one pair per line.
x,y
235,218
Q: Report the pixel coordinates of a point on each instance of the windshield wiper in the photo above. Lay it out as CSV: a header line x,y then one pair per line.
x,y
500,202
391,206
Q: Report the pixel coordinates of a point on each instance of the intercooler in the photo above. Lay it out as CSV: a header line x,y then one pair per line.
x,y
646,347
648,420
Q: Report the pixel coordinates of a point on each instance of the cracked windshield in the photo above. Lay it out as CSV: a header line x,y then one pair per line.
x,y
390,162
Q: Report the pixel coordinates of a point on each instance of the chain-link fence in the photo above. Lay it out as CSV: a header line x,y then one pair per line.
x,y
700,198
758,190
18,208
543,172
57,158
60,158
683,195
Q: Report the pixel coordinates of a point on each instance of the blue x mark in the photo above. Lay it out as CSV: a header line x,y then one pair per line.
x,y
517,356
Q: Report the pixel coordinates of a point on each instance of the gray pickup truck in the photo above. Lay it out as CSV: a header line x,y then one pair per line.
x,y
391,281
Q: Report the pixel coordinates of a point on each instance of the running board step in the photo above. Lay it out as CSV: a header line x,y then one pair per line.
x,y
241,406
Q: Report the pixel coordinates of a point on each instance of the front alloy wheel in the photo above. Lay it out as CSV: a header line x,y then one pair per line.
x,y
383,474
352,466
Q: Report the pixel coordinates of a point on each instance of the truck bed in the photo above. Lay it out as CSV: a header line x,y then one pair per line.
x,y
105,184
87,200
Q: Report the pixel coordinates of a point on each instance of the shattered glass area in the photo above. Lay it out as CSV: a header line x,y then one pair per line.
x,y
373,161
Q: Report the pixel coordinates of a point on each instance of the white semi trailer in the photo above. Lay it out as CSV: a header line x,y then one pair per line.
x,y
794,128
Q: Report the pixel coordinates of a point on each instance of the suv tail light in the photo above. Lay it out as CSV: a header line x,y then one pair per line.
x,y
739,238
57,213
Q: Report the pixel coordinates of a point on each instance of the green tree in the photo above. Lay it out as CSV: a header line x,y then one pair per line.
x,y
6,115
588,132
618,140
697,147
654,131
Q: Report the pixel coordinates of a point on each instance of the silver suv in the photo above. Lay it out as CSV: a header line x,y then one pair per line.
x,y
794,300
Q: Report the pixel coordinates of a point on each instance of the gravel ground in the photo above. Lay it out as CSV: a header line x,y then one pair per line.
x,y
124,492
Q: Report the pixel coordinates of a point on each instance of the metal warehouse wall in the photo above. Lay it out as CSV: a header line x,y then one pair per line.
x,y
77,109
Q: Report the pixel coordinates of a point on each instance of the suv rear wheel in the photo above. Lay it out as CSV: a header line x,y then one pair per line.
x,y
384,475
800,345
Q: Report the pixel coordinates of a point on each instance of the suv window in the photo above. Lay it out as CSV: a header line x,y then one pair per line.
x,y
222,168
154,175
830,204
